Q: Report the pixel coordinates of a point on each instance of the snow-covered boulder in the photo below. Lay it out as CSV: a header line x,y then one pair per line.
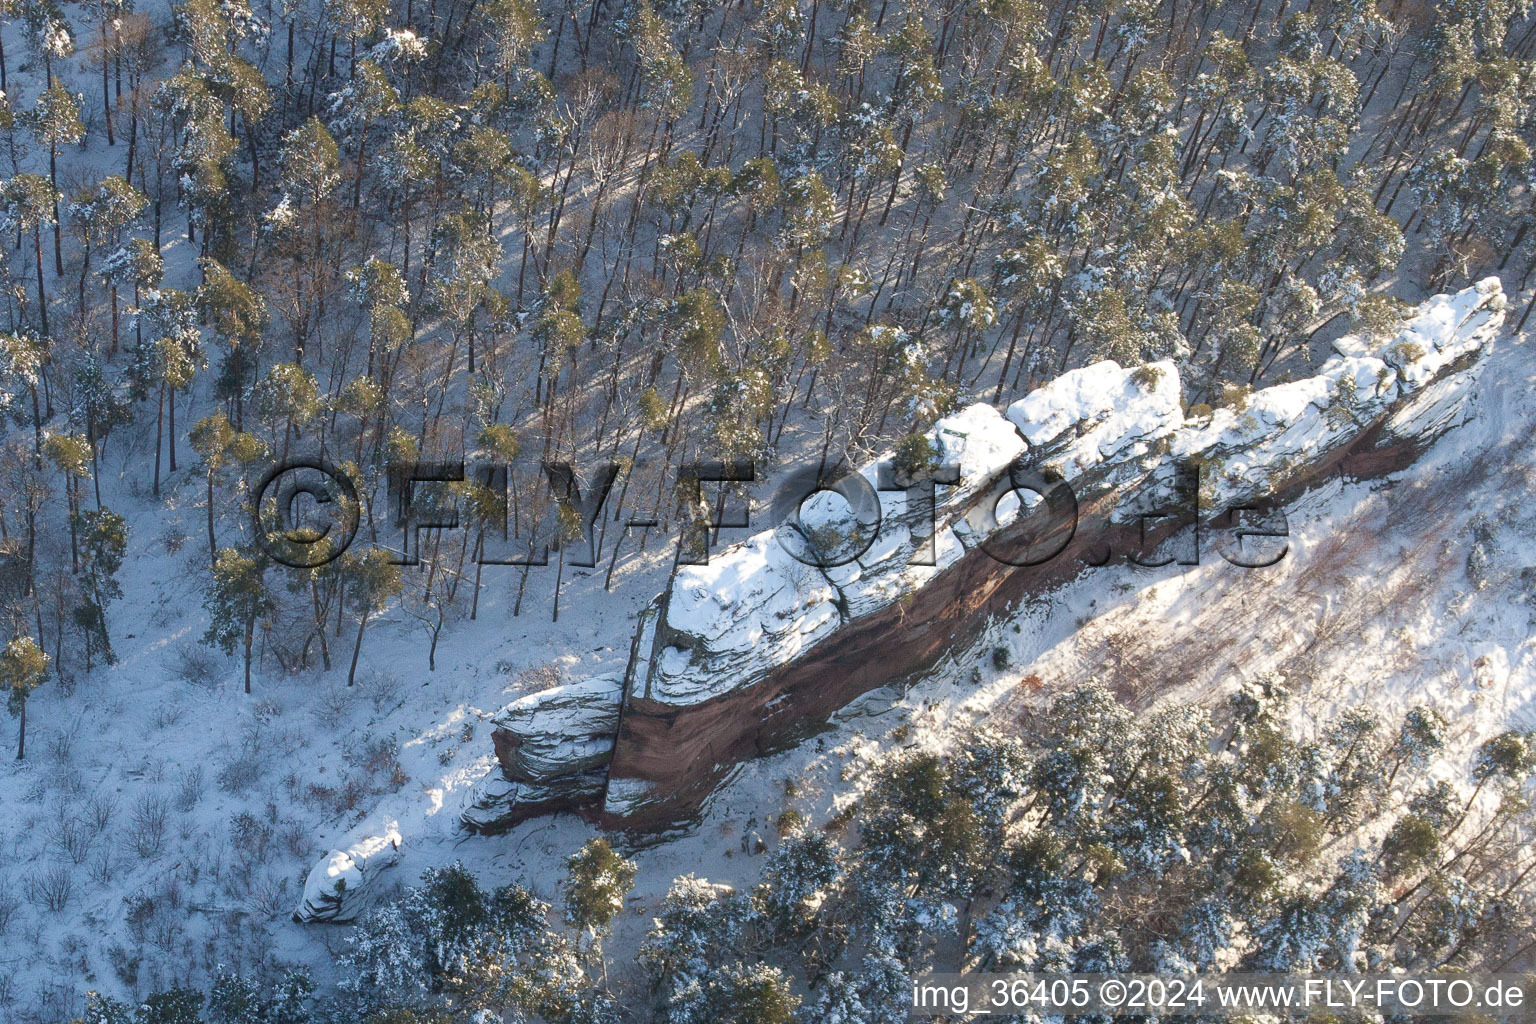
x,y
497,803
1100,410
337,887
558,731
1101,428
552,751
1437,357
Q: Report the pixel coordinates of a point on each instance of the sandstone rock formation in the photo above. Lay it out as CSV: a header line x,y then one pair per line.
x,y
553,747
756,650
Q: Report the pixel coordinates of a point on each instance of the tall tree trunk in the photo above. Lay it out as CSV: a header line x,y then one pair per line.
x,y
356,649
58,238
250,640
213,548
106,90
42,296
159,423
325,649
559,575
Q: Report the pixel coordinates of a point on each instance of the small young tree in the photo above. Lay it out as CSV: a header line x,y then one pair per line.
x,y
23,668
211,438
372,581
237,597
568,530
103,543
71,455
595,889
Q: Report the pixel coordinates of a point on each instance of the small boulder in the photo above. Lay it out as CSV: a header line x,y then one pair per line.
x,y
336,889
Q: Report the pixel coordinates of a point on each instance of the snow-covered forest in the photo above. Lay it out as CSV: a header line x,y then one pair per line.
x,y
537,234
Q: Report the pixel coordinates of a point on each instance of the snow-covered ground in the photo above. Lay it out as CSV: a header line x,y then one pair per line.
x,y
179,817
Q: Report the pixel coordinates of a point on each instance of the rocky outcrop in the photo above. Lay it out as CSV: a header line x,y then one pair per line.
x,y
755,650
337,887
552,748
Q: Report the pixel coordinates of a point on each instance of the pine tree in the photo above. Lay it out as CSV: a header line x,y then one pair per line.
x,y
55,122
234,1000
1412,844
23,668
372,580
102,212
238,316
756,994
100,1009
288,397
699,929
174,353
103,544
211,437
71,455
197,114
595,888
303,224
27,203
468,259
795,880
172,1006
237,598
450,943
1421,736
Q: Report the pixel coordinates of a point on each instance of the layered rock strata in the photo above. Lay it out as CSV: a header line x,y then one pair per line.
x,y
757,649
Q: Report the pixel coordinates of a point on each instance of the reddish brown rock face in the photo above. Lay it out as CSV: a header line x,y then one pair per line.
x,y
684,752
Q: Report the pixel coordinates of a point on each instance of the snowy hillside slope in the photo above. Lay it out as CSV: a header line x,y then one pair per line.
x,y
1414,589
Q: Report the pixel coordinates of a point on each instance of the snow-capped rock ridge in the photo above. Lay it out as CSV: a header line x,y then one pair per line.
x,y
745,620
